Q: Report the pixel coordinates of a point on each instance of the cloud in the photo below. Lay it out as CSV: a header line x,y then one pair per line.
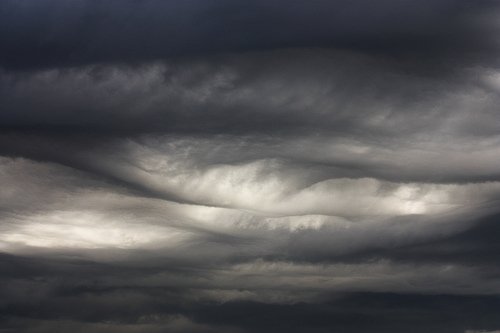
x,y
220,166
274,93
83,32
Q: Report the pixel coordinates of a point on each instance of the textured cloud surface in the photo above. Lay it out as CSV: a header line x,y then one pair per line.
x,y
264,166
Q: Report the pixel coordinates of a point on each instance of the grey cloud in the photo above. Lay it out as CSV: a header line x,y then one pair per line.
x,y
83,32
281,92
265,166
137,308
346,116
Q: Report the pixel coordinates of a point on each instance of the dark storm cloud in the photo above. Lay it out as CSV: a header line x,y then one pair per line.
x,y
52,33
89,300
477,246
249,166
393,125
297,92
473,246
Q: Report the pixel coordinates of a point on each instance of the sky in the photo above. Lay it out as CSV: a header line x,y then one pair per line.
x,y
231,166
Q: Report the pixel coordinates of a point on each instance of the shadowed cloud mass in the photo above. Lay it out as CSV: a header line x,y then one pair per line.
x,y
249,166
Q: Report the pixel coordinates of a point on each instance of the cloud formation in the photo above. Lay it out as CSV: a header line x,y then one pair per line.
x,y
221,166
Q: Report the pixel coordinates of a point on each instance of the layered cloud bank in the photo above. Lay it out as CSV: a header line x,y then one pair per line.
x,y
221,166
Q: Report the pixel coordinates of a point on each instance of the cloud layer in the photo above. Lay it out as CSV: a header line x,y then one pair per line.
x,y
221,166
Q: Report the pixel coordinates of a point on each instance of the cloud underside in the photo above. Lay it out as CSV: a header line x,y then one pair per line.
x,y
208,166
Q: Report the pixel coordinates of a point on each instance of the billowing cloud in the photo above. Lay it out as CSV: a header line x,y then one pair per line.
x,y
220,166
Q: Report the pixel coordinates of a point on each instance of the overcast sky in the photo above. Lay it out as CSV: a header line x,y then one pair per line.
x,y
230,166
